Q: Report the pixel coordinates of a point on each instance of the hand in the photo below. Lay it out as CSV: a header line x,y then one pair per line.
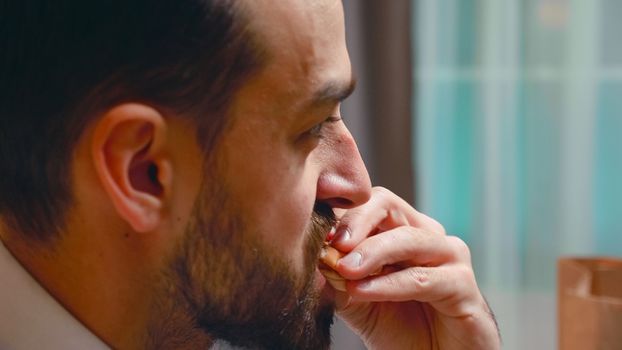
x,y
426,296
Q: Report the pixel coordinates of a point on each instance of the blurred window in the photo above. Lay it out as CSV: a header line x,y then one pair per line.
x,y
518,144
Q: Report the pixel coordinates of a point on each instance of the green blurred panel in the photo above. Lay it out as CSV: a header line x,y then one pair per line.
x,y
468,44
608,176
540,115
611,54
520,137
456,122
458,44
501,141
544,36
445,23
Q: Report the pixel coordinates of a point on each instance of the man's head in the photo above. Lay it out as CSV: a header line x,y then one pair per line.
x,y
64,64
192,175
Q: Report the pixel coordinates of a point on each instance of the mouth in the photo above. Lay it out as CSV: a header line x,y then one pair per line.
x,y
322,230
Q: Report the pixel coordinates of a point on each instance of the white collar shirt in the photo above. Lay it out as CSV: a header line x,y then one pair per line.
x,y
30,318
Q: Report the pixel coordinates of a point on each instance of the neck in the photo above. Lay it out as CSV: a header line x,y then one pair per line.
x,y
127,308
112,302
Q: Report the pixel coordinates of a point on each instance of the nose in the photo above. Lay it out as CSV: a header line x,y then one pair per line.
x,y
344,181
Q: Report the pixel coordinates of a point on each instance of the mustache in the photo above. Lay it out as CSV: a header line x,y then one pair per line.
x,y
322,220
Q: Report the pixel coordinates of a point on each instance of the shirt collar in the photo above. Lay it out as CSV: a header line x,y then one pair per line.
x,y
30,318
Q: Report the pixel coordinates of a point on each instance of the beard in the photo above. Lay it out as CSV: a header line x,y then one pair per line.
x,y
225,284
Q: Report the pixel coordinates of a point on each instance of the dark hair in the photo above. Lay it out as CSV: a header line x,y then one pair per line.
x,y
63,62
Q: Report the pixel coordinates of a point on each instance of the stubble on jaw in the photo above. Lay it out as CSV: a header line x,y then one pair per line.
x,y
223,283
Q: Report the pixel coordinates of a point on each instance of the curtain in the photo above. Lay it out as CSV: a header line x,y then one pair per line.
x,y
379,112
518,147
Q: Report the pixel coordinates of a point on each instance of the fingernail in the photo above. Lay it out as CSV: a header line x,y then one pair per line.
x,y
351,260
342,235
331,234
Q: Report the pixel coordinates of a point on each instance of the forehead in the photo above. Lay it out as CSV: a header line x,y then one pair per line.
x,y
296,21
304,41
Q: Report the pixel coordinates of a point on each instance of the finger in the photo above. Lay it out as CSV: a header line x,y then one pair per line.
x,y
443,287
403,246
382,212
359,223
404,214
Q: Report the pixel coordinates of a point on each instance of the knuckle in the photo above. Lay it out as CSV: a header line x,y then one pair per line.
x,y
382,192
441,229
437,227
464,274
459,247
463,309
419,277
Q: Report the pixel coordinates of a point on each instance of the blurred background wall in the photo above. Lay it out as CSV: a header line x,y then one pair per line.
x,y
503,120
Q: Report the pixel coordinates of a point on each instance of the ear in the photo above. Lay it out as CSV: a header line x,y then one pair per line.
x,y
128,152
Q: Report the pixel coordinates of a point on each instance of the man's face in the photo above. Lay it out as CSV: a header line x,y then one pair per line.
x,y
247,268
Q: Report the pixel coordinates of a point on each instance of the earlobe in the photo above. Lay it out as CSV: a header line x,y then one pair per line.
x,y
129,154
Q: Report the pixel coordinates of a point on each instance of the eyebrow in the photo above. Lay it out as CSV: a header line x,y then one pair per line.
x,y
333,92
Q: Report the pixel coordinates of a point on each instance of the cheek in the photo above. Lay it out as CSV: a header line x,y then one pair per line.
x,y
278,206
283,214
274,187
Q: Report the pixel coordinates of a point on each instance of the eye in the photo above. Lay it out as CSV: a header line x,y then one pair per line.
x,y
317,130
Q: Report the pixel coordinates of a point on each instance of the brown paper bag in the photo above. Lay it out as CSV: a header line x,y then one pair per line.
x,y
590,303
